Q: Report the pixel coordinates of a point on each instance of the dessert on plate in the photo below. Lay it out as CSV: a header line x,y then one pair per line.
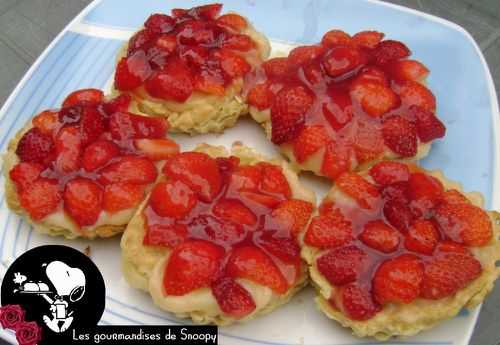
x,y
82,170
216,238
396,249
189,67
346,102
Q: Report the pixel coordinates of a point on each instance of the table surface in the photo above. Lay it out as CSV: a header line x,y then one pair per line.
x,y
28,26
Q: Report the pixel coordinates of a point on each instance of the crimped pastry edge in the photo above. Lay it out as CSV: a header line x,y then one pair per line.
x,y
139,261
410,319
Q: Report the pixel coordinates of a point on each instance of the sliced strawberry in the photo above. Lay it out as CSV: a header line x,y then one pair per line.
x,y
413,93
276,67
83,200
232,20
400,135
363,192
449,271
238,42
207,12
388,172
209,80
284,248
119,103
260,96
129,169
301,55
425,191
429,127
172,199
234,211
367,39
132,71
166,43
342,265
337,160
340,60
375,99
314,73
198,171
25,173
91,125
398,280
397,191
407,70
336,37
158,23
329,231
125,126
422,237
273,181
192,265
368,141
98,154
453,196
220,231
47,121
139,41
464,223
294,214
398,214
41,198
338,109
196,56
35,146
169,236
260,199
157,149
357,302
232,298
246,177
380,236
174,82
232,64
389,50
372,74
122,196
309,141
251,263
288,113
83,96
69,148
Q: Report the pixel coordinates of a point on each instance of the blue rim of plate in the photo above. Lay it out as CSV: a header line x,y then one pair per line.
x,y
78,25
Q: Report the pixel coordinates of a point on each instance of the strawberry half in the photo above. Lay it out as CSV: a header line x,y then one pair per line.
x,y
234,211
83,96
169,236
400,135
35,146
363,192
25,173
232,298
342,265
83,200
293,213
380,236
41,198
172,199
174,82
123,126
309,141
388,172
157,149
329,231
131,169
99,154
122,196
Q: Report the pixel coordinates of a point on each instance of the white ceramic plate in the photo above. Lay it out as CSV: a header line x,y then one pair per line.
x,y
83,55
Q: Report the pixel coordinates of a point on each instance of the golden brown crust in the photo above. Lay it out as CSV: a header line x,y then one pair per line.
x,y
421,314
143,266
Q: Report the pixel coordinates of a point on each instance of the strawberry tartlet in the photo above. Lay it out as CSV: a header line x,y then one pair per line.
x,y
216,239
189,67
344,103
83,169
396,249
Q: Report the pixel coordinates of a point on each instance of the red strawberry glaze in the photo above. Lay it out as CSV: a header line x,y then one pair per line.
x,y
388,263
359,94
257,238
88,156
191,50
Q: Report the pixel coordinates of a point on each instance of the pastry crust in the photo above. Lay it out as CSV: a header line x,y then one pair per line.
x,y
143,266
201,112
421,314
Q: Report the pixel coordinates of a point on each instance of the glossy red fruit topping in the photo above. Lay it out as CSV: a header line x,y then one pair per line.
x,y
398,280
288,113
131,169
132,71
260,96
309,141
233,20
336,37
386,173
196,170
448,272
413,93
376,99
25,173
429,127
425,192
192,265
343,265
165,235
35,146
83,200
174,82
398,214
122,195
172,199
389,50
358,303
83,96
400,136
233,298
234,211
157,149
276,67
337,160
41,198
380,236
422,237
159,23
251,263
68,144
47,121
340,60
367,39
294,213
366,195
407,70
273,180
464,223
329,231
301,55
99,154
123,126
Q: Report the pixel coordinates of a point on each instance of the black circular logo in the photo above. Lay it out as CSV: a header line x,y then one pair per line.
x,y
58,287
